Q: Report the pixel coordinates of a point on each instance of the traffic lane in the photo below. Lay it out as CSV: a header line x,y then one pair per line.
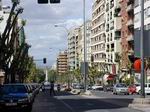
x,y
46,103
111,95
85,104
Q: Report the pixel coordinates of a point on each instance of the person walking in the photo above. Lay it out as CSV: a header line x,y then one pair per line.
x,y
52,91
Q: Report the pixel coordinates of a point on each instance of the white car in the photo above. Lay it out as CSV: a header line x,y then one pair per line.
x,y
97,87
120,88
147,88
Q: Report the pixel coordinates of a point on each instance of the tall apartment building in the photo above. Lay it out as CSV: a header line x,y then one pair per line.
x,y
98,37
62,66
137,10
73,38
88,42
113,33
76,45
127,31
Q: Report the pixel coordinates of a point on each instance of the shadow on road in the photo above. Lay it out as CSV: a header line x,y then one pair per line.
x,y
76,103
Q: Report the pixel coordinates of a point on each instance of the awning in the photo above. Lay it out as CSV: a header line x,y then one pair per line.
x,y
111,77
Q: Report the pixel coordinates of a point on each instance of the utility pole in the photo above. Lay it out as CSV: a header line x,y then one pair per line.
x,y
85,49
142,51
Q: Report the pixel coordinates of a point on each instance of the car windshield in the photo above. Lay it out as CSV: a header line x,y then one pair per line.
x,y
14,89
121,85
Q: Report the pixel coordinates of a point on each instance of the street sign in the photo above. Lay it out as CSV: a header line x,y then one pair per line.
x,y
84,70
137,45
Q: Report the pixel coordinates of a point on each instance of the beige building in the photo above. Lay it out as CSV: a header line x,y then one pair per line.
x,y
62,66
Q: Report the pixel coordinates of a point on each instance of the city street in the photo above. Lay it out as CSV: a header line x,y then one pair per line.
x,y
66,102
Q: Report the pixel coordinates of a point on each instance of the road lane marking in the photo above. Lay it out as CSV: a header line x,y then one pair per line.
x,y
68,106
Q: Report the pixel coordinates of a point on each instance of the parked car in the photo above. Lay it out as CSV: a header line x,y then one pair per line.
x,y
79,86
120,88
16,96
108,88
147,88
97,87
132,89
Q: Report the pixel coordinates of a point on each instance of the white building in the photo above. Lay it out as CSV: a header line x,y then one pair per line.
x,y
88,42
76,45
113,33
137,10
73,37
98,37
4,14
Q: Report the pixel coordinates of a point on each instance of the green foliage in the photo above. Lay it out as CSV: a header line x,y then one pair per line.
x,y
35,74
77,74
128,81
52,75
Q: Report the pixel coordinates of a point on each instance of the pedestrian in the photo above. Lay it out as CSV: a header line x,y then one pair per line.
x,y
52,91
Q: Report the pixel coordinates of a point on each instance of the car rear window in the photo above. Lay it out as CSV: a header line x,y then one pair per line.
x,y
14,89
121,85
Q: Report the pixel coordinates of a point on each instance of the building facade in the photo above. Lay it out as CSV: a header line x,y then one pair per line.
x,y
88,43
76,46
98,37
113,34
62,66
73,58
127,31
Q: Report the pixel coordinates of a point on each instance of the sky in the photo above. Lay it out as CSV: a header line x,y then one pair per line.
x,y
45,39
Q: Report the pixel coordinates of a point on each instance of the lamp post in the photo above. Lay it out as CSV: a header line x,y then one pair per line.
x,y
85,48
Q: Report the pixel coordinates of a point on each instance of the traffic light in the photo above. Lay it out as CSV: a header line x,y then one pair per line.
x,y
44,60
54,1
43,1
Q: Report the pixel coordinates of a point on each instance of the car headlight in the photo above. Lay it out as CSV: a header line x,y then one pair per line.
x,y
23,100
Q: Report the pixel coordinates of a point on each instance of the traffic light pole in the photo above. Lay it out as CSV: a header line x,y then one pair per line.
x,y
142,51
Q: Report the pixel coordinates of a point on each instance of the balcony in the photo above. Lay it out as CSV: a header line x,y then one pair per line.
x,y
130,8
130,38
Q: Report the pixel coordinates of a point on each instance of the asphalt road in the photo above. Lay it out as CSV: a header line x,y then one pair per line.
x,y
66,102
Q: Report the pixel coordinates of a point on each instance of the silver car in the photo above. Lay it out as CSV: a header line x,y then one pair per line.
x,y
120,88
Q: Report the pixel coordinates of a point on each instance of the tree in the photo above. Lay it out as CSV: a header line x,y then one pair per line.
x,y
77,75
52,75
93,74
